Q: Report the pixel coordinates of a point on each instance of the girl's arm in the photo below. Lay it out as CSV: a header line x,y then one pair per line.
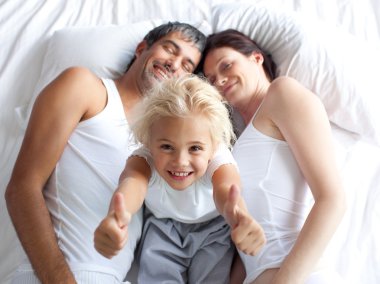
x,y
302,120
133,183
246,233
112,233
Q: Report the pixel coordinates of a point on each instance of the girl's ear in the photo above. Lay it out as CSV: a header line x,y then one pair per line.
x,y
215,147
140,48
256,57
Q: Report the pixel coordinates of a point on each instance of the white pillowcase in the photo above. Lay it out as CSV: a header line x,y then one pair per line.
x,y
105,50
340,69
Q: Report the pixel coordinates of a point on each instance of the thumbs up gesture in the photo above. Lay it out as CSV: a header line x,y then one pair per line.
x,y
246,233
112,233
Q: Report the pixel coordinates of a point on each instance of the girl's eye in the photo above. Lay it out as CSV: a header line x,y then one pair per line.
x,y
195,148
166,147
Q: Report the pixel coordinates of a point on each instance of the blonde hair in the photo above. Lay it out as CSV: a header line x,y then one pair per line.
x,y
182,97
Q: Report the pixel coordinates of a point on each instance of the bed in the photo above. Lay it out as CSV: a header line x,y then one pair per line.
x,y
332,47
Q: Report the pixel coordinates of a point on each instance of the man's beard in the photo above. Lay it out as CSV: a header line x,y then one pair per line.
x,y
149,79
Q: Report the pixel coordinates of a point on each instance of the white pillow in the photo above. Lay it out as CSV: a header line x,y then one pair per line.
x,y
339,68
106,50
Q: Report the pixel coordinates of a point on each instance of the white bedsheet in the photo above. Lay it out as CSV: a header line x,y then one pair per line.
x,y
27,26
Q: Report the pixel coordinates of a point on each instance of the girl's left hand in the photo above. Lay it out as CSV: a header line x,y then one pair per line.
x,y
246,233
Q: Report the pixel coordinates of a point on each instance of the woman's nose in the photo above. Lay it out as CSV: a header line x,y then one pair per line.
x,y
220,81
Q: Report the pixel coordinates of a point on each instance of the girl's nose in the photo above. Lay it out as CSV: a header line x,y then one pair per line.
x,y
181,158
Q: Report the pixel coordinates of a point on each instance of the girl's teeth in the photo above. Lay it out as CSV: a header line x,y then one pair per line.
x,y
179,174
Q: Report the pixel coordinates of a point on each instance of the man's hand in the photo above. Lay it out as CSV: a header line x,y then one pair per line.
x,y
246,233
112,233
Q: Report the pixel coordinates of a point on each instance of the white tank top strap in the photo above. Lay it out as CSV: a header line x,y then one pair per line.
x,y
113,95
254,115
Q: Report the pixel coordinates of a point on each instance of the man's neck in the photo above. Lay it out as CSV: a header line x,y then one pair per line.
x,y
129,93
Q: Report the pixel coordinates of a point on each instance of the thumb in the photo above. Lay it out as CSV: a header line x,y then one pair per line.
x,y
231,207
121,213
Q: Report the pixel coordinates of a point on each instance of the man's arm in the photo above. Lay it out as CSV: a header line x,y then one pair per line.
x,y
73,96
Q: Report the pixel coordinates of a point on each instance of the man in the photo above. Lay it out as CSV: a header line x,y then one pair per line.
x,y
73,152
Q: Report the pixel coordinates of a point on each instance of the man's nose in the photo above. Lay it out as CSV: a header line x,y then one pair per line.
x,y
173,64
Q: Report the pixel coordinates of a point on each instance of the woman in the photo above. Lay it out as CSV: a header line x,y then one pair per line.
x,y
290,180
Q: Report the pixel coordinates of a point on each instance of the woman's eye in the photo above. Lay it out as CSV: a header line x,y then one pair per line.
x,y
226,66
211,80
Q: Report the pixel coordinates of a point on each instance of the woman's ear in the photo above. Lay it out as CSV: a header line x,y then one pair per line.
x,y
256,57
140,48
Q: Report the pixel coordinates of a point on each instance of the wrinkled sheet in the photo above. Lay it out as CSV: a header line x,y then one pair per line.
x,y
25,29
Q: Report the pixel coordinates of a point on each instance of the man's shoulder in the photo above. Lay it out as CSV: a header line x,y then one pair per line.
x,y
80,80
80,86
80,74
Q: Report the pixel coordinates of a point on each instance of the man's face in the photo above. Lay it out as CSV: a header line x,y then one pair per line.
x,y
168,57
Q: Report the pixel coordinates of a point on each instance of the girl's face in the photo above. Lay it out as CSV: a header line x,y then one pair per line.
x,y
181,149
234,74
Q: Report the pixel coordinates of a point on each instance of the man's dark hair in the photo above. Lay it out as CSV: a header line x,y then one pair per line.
x,y
189,33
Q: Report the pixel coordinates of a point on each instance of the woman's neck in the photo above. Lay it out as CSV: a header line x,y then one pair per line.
x,y
248,110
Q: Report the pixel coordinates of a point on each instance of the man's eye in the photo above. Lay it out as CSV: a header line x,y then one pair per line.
x,y
188,68
169,49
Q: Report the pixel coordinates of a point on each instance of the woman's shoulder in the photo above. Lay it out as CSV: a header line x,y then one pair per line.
x,y
286,95
283,83
285,88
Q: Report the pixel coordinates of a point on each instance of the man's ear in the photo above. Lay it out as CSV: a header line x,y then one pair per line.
x,y
140,48
257,57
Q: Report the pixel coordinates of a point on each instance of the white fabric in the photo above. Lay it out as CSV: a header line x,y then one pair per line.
x,y
27,55
81,186
80,46
276,194
83,274
319,56
324,276
194,204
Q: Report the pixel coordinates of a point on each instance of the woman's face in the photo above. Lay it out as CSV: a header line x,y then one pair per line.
x,y
234,74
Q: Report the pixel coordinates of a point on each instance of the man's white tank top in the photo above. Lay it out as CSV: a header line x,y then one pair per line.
x,y
276,194
80,188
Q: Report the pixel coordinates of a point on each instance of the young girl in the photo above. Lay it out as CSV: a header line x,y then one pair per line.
x,y
190,184
286,161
